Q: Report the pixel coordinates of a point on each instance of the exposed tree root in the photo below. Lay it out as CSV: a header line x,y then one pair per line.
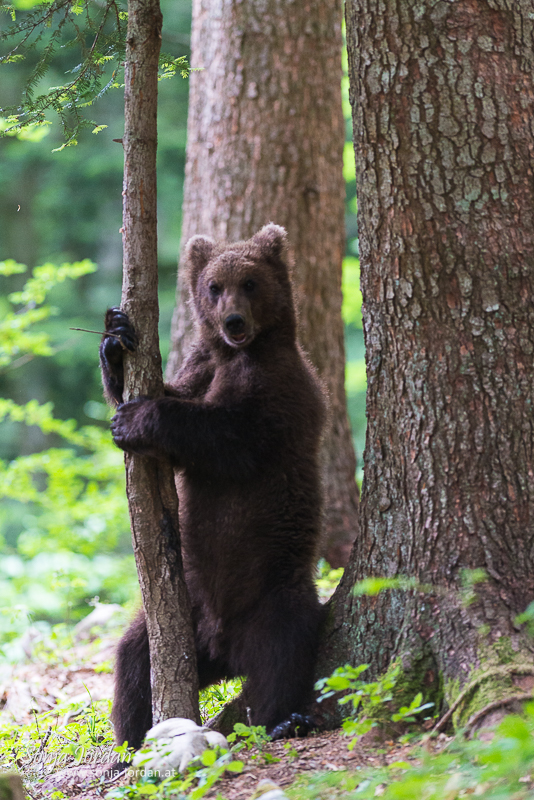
x,y
518,669
472,721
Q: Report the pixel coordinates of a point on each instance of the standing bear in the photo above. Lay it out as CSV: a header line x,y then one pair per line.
x,y
242,425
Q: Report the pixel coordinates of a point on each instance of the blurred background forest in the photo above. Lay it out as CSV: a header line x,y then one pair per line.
x,y
64,534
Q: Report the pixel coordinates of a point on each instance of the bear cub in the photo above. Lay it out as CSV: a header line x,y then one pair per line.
x,y
241,424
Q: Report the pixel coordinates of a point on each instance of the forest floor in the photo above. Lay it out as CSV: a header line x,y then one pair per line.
x,y
319,752
81,675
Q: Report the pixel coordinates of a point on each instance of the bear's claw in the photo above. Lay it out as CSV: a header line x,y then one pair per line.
x,y
120,334
296,725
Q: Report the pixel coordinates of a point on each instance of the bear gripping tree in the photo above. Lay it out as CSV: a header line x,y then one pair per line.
x,y
241,425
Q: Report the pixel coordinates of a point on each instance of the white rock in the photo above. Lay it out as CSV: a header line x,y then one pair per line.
x,y
268,790
171,727
172,744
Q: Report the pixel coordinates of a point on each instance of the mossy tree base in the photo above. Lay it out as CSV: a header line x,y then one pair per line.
x,y
443,101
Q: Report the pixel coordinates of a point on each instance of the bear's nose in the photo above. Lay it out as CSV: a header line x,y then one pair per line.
x,y
234,324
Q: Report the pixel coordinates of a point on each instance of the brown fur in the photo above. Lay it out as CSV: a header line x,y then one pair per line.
x,y
242,425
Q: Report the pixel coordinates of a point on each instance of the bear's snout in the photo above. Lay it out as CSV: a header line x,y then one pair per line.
x,y
235,327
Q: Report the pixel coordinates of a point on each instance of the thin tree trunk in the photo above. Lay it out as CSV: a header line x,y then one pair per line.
x,y
152,498
265,141
443,102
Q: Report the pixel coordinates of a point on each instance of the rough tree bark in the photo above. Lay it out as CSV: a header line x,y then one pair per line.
x,y
152,498
265,141
443,103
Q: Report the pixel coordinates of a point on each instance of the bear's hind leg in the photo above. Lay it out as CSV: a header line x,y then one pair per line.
x,y
132,703
211,670
277,653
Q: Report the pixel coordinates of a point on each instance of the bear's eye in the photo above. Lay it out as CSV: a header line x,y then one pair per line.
x,y
249,285
215,290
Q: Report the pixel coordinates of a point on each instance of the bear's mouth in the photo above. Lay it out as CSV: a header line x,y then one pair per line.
x,y
238,338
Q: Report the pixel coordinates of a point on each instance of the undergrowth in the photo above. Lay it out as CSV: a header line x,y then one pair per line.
x,y
501,769
70,734
372,703
203,772
80,734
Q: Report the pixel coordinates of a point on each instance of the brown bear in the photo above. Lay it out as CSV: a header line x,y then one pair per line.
x,y
242,426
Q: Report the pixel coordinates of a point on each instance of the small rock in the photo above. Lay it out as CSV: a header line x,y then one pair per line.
x,y
267,790
172,744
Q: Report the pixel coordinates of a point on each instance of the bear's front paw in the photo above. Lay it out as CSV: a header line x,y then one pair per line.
x,y
131,428
296,725
120,335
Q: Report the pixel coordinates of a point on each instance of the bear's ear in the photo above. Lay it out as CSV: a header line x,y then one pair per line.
x,y
271,240
198,251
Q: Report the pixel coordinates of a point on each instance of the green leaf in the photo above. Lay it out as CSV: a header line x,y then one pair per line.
x,y
147,788
10,267
209,757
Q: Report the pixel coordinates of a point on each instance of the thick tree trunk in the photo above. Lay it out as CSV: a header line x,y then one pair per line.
x,y
265,141
152,498
443,103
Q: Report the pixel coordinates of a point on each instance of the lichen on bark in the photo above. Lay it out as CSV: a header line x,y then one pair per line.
x,y
443,102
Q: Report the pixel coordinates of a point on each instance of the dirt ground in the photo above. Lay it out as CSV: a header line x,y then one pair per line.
x,y
316,753
37,686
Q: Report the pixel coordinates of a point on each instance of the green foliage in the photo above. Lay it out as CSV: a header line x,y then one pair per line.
x,y
370,701
501,769
169,66
252,737
527,617
77,499
355,370
215,697
373,586
327,578
72,733
466,594
96,34
16,341
203,773
352,297
291,752
64,499
406,713
214,764
468,580
52,587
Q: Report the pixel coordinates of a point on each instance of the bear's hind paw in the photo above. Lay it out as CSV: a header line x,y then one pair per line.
x,y
296,725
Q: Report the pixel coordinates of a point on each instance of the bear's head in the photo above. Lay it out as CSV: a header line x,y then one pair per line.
x,y
241,291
